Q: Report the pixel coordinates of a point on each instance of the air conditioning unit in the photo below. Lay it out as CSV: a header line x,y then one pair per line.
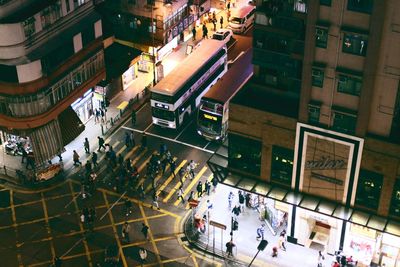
x,y
316,73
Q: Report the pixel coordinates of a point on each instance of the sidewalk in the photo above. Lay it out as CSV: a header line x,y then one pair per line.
x,y
245,237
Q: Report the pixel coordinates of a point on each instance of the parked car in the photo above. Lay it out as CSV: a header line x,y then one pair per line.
x,y
223,35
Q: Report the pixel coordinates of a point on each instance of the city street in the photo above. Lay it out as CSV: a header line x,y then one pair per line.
x,y
37,227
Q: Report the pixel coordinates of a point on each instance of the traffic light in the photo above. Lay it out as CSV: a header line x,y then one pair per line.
x,y
235,226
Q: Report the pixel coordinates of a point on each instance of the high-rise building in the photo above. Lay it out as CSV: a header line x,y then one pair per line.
x,y
316,131
51,56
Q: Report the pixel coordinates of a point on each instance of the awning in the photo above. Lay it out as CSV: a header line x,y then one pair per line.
x,y
218,164
70,125
118,59
46,142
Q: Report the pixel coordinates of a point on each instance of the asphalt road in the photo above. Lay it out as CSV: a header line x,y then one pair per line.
x,y
36,227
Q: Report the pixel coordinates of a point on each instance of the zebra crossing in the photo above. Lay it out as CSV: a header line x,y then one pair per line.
x,y
167,184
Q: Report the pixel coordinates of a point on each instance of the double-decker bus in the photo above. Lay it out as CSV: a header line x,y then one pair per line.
x,y
212,118
178,95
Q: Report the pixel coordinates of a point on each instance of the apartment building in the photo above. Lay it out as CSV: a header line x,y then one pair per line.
x,y
51,56
317,129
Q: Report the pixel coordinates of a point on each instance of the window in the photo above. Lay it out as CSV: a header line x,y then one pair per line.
x,y
29,27
317,77
369,189
244,154
313,114
282,165
325,2
88,35
78,3
321,37
344,123
395,202
354,44
349,85
363,6
300,6
67,6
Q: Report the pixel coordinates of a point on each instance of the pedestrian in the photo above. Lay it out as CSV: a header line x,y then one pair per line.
x,y
281,240
155,200
75,158
94,159
214,22
247,199
236,212
128,140
228,6
125,231
192,166
274,252
241,201
102,114
144,140
191,196
207,187
260,232
88,167
194,33
132,137
199,189
57,262
142,255
141,191
229,247
221,21
205,31
180,194
128,207
101,143
214,183
321,259
164,163
209,206
230,199
145,231
86,146
181,174
96,115
133,117
172,167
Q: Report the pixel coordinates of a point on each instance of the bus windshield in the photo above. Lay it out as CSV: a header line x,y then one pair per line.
x,y
210,123
162,98
163,114
236,20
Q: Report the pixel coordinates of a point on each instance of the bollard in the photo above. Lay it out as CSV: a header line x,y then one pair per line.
x,y
5,169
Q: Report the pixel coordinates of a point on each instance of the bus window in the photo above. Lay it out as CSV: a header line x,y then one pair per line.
x,y
163,114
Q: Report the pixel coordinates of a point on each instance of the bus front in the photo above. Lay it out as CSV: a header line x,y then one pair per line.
x,y
162,111
210,120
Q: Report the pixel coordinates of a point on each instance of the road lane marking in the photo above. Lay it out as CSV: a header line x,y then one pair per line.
x,y
116,236
176,138
170,139
195,195
130,153
171,177
150,234
161,175
14,219
194,181
46,217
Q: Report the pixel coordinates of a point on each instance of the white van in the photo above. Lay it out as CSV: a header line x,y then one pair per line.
x,y
241,19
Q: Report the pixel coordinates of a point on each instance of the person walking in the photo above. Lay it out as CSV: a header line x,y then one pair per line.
x,y
142,255
191,196
192,166
86,146
194,33
229,248
205,31
228,5
94,159
241,201
133,117
207,187
260,232
132,137
214,22
281,240
144,140
155,200
128,140
235,212
141,191
230,199
180,194
321,259
199,189
214,183
128,207
221,21
172,167
101,143
75,158
125,231
181,174
102,114
96,116
145,231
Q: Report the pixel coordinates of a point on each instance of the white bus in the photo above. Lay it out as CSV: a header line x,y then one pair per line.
x,y
178,95
212,118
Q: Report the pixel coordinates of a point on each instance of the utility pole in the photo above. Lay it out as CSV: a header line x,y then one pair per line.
x,y
153,29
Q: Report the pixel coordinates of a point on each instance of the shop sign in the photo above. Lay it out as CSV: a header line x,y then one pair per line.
x,y
325,162
185,22
326,178
218,225
363,231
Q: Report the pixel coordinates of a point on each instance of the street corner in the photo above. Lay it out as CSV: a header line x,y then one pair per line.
x,y
170,249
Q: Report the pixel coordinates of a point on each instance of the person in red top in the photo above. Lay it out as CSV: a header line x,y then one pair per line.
x,y
336,264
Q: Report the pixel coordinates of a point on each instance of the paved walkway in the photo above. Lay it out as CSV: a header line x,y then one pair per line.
x,y
245,237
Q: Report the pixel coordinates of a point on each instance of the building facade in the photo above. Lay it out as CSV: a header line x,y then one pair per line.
x,y
317,128
51,56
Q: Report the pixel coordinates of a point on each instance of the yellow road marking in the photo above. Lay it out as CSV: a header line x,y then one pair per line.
x,y
140,169
150,233
115,232
46,217
159,177
121,149
194,181
14,219
176,187
172,176
130,153
195,261
80,225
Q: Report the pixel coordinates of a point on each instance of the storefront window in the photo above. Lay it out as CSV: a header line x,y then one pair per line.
x,y
369,189
244,154
282,165
395,202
